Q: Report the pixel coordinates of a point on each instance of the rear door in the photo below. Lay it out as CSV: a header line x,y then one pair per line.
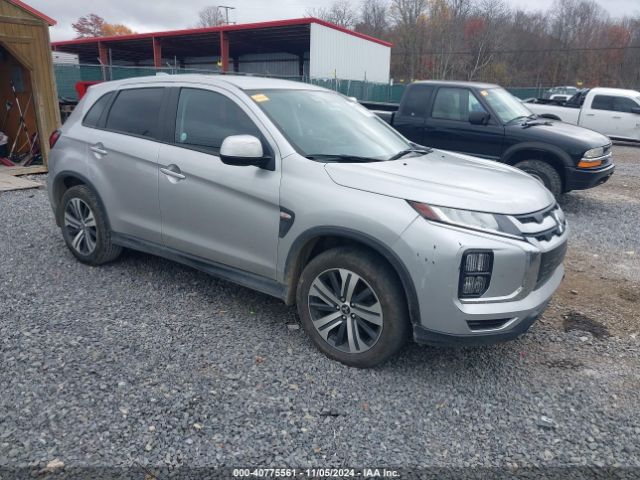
x,y
123,150
222,213
448,127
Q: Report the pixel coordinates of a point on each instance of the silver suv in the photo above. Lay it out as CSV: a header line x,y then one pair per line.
x,y
301,193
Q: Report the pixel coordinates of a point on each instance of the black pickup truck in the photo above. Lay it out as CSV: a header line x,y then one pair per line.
x,y
486,121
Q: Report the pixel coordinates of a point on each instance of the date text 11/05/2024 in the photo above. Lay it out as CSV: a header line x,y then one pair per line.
x,y
315,472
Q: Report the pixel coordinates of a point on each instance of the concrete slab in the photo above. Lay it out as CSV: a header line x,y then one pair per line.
x,y
11,182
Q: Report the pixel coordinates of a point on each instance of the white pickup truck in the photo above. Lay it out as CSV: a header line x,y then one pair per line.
x,y
612,111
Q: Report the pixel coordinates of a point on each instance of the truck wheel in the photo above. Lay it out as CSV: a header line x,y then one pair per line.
x,y
84,227
353,307
543,172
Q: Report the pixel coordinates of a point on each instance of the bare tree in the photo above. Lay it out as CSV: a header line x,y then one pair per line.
x,y
374,19
340,12
210,17
410,21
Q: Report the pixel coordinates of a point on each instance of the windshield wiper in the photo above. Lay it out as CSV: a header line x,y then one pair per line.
x,y
518,118
341,156
408,151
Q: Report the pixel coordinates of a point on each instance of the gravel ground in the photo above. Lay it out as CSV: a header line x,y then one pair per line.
x,y
146,363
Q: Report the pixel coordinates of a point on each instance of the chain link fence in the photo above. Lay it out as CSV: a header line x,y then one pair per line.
x,y
67,75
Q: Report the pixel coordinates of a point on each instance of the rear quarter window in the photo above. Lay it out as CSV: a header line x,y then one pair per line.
x,y
415,101
92,118
136,112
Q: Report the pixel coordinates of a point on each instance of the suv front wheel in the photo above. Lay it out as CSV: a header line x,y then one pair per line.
x,y
84,227
353,307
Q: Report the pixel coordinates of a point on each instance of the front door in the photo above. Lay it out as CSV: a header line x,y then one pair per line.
x,y
448,126
222,213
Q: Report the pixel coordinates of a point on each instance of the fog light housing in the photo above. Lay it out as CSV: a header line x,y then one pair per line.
x,y
475,273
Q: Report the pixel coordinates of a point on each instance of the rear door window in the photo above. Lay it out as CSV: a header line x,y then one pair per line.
x,y
205,118
624,104
92,118
136,112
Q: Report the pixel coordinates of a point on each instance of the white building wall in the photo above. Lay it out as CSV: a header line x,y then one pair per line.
x,y
339,54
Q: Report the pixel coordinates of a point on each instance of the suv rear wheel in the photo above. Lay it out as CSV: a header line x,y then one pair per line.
x,y
543,172
84,227
353,307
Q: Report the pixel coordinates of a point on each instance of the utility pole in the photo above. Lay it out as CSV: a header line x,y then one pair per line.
x,y
226,12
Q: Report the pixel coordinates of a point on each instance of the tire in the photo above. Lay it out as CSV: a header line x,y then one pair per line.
x,y
373,339
84,227
543,172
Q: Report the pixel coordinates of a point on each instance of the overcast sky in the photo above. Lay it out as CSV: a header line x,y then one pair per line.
x,y
156,15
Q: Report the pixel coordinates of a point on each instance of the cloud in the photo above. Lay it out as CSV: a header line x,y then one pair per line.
x,y
158,15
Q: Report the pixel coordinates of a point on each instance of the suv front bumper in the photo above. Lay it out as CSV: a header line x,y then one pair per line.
x,y
520,289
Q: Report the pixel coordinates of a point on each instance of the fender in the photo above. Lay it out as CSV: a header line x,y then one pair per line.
x,y
58,182
567,161
292,269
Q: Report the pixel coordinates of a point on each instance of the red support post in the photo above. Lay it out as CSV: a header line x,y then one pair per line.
x,y
157,53
224,51
103,54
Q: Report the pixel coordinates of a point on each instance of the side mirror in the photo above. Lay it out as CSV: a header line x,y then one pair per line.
x,y
242,151
635,110
478,118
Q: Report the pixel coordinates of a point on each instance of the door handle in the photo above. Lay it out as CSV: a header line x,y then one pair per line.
x,y
616,117
590,114
173,171
98,148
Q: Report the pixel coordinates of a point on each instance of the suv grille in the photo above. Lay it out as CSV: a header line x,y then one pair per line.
x,y
542,225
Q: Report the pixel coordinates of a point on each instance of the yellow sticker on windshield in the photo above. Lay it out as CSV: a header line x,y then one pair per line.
x,y
260,97
484,93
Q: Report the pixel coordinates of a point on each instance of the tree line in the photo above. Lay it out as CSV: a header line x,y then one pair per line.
x,y
574,42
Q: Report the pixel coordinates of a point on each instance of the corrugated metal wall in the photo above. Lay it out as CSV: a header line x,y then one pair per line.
x,y
274,64
339,54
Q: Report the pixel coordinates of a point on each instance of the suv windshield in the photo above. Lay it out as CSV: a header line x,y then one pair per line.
x,y
321,124
506,106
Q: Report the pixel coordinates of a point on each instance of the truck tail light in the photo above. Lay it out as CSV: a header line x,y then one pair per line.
x,y
475,273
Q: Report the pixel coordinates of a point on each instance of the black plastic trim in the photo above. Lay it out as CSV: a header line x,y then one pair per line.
x,y
58,181
241,277
286,223
372,242
430,337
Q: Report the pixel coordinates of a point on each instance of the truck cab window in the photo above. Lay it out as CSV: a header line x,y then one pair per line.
x,y
415,101
602,102
455,104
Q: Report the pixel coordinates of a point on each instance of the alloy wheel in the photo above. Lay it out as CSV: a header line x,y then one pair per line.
x,y
345,310
80,224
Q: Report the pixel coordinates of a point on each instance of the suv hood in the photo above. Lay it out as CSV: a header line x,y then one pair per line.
x,y
449,180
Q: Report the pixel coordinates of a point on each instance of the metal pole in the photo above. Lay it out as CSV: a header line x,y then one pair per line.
x,y
226,12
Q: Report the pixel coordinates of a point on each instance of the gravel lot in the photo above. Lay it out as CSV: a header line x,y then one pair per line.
x,y
146,363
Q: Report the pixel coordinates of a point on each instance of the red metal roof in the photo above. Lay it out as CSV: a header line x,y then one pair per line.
x,y
223,28
34,12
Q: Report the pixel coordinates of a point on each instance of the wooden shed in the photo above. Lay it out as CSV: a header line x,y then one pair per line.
x,y
29,110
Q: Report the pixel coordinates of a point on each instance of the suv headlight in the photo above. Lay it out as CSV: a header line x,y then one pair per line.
x,y
594,153
480,221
